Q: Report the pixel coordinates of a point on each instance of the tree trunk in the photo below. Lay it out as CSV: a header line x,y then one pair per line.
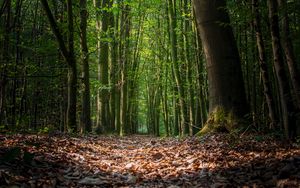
x,y
263,65
289,52
72,72
113,69
70,59
188,62
124,62
283,83
226,86
5,57
103,123
175,63
86,106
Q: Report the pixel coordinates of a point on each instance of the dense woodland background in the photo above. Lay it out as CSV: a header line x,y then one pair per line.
x,y
124,66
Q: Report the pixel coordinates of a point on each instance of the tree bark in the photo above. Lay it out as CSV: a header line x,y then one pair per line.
x,y
226,86
69,56
6,57
103,123
124,62
86,106
175,63
263,65
189,72
289,52
283,83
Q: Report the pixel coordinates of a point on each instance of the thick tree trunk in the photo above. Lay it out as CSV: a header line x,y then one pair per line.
x,y
225,79
263,65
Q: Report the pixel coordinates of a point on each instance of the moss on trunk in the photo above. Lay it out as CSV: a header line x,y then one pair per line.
x,y
220,121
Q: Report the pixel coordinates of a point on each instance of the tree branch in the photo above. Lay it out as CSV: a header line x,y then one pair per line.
x,y
56,31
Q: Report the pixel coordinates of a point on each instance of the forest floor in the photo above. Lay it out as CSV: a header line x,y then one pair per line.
x,y
143,161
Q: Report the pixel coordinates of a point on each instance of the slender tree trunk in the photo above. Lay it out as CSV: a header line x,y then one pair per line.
x,y
263,65
113,69
72,72
5,57
116,71
179,85
16,30
226,86
124,62
188,62
103,123
86,106
283,84
69,56
289,52
165,104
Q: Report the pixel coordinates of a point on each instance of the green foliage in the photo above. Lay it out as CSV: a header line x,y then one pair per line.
x,y
39,79
47,129
44,130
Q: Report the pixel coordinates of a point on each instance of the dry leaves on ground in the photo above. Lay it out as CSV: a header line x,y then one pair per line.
x,y
142,161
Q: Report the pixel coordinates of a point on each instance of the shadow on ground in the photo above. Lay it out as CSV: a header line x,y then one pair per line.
x,y
32,161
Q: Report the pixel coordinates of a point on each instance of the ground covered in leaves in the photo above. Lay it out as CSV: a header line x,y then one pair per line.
x,y
142,161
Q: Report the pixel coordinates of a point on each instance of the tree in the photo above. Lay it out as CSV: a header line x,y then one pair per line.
x,y
103,24
124,59
287,107
226,87
289,51
263,64
174,57
69,56
6,7
86,106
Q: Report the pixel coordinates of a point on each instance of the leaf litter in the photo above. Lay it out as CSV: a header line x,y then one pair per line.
x,y
143,161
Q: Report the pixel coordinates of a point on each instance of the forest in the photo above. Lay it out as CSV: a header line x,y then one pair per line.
x,y
149,93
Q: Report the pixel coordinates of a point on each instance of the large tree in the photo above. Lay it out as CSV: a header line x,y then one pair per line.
x,y
226,86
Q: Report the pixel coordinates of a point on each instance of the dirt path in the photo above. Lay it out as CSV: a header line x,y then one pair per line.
x,y
140,161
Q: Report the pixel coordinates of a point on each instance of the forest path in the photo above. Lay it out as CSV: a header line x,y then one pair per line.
x,y
142,161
